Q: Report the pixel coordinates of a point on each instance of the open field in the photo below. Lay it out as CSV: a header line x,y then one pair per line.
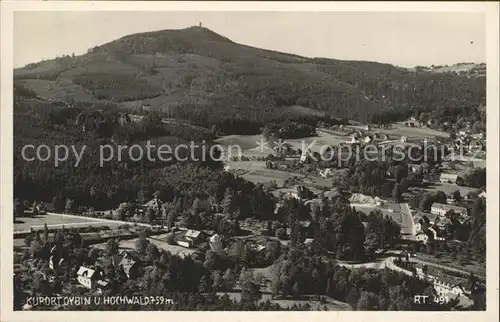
x,y
58,90
245,142
266,175
399,129
256,172
56,221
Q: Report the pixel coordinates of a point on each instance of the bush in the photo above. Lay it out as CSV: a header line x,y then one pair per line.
x,y
281,234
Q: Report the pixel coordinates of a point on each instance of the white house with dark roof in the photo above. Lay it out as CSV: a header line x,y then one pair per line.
x,y
193,237
88,277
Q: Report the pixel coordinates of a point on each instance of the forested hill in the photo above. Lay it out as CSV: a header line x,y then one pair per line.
x,y
207,79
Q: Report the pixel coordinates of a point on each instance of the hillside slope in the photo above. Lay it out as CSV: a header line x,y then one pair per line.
x,y
198,75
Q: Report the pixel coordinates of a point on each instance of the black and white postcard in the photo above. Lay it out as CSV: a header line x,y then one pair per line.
x,y
288,157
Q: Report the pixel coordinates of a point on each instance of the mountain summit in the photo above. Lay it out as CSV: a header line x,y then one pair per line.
x,y
195,73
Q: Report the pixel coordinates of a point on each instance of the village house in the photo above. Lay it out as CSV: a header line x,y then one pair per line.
x,y
191,238
441,209
89,277
482,195
415,168
124,119
449,178
447,289
154,204
367,139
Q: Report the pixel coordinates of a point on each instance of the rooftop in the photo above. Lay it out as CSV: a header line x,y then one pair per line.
x,y
448,207
191,233
85,271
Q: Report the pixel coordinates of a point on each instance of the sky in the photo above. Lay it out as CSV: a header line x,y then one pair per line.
x,y
405,39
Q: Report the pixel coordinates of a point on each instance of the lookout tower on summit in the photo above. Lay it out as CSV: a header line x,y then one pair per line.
x,y
199,25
